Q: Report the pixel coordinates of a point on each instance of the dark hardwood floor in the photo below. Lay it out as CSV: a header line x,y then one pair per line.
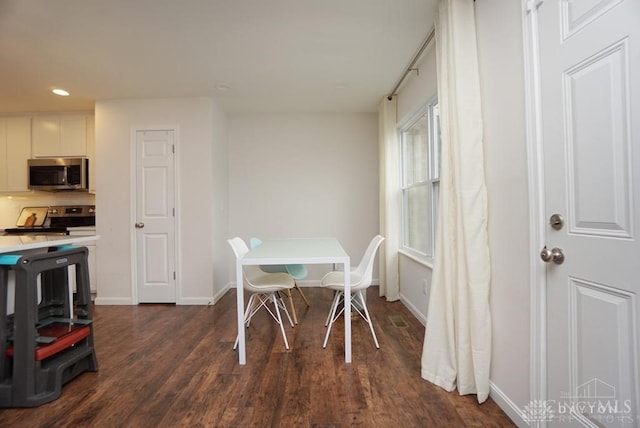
x,y
168,366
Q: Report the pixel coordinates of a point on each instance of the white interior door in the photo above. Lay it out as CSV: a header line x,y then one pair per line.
x,y
155,217
590,88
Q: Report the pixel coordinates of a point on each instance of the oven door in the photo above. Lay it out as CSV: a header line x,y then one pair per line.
x,y
47,177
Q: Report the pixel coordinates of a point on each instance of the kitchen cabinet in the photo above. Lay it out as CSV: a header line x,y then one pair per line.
x,y
59,136
15,149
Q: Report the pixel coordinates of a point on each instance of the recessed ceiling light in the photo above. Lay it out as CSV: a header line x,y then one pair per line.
x,y
60,92
222,87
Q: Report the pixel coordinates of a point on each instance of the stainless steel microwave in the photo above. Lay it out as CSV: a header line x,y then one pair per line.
x,y
55,174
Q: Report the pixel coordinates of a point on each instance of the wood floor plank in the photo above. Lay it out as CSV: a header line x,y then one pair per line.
x,y
170,366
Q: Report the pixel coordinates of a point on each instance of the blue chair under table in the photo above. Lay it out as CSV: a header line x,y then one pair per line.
x,y
297,272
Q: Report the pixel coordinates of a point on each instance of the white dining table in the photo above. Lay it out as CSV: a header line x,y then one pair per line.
x,y
294,251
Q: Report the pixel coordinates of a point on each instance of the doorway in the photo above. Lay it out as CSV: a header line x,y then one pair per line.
x,y
155,224
584,56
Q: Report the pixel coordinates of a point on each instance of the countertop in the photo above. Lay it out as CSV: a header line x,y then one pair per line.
x,y
17,243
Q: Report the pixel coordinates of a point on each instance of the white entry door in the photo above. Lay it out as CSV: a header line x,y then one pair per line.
x,y
155,217
590,93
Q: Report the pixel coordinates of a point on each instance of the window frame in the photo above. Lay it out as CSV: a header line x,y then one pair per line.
x,y
431,110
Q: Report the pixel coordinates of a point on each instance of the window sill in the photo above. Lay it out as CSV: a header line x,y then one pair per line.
x,y
423,262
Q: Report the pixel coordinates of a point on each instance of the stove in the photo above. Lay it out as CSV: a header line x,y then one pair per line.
x,y
60,219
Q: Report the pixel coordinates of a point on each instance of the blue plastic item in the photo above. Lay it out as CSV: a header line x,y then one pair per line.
x,y
66,247
296,271
9,259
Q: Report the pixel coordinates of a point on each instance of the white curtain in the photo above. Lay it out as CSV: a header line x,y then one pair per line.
x,y
457,345
389,199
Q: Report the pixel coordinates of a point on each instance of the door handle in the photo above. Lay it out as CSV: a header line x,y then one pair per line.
x,y
139,225
554,255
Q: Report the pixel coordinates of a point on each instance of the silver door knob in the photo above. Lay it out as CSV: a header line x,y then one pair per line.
x,y
554,255
139,225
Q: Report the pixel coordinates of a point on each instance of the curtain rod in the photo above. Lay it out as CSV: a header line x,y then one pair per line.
x,y
412,63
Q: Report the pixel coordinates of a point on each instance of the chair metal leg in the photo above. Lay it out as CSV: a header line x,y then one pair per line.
x,y
332,316
250,312
256,301
284,335
360,306
284,308
368,318
336,296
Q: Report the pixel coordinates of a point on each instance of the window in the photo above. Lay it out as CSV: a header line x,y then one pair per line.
x,y
420,153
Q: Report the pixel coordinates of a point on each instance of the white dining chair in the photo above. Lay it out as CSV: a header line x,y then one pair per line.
x,y
360,279
264,288
296,271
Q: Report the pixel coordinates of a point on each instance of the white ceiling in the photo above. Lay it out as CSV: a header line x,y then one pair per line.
x,y
273,55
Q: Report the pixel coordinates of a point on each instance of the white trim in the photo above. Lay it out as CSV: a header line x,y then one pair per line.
x,y
414,310
409,119
132,215
504,402
220,294
423,261
176,221
195,301
113,301
426,109
535,166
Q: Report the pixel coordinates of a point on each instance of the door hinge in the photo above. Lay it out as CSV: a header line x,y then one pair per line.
x,y
173,148
174,212
174,275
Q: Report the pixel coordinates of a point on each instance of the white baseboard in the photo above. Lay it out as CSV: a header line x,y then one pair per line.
x,y
195,301
412,308
507,406
221,293
116,301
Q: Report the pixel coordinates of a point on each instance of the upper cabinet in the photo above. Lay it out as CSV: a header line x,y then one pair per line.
x,y
15,149
22,138
59,136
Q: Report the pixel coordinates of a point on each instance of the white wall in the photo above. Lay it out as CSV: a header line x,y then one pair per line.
x,y
500,46
304,175
220,201
417,90
201,193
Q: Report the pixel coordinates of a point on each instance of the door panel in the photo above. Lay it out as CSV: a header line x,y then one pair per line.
x,y
589,55
598,143
155,228
156,248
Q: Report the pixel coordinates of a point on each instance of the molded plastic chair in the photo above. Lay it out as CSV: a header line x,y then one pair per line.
x,y
297,272
264,288
360,280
